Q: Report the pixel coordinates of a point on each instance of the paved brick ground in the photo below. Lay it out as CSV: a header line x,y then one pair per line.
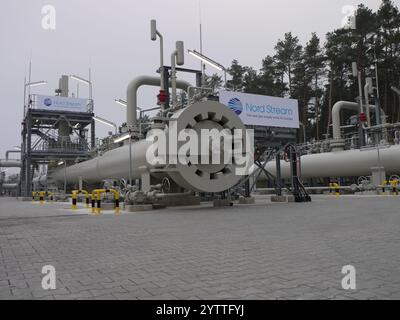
x,y
261,251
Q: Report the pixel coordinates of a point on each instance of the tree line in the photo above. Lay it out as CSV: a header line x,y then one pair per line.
x,y
318,74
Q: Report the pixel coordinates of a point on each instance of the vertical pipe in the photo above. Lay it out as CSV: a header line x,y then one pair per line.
x,y
98,202
366,93
28,181
376,73
130,159
23,116
360,91
173,78
93,202
278,176
65,177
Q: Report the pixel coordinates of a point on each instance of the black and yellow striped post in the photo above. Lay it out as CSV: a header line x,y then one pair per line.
x,y
87,197
41,197
394,184
116,200
74,200
383,186
98,210
87,200
34,196
49,196
336,188
99,192
93,202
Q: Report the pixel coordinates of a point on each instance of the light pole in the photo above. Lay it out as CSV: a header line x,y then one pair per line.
x,y
89,83
154,34
124,103
121,102
210,62
106,122
371,37
30,85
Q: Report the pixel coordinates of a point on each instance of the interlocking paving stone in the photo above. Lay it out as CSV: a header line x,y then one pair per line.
x,y
262,251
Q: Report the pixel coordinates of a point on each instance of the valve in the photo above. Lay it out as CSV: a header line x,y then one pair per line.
x,y
162,97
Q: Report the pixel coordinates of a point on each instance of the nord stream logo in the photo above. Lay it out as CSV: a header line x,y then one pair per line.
x,y
235,105
268,109
48,102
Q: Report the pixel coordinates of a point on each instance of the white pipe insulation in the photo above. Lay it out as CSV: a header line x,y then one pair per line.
x,y
134,85
10,163
350,163
9,186
111,165
337,108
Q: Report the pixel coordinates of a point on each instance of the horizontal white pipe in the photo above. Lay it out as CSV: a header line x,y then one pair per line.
x,y
8,186
10,163
350,163
113,164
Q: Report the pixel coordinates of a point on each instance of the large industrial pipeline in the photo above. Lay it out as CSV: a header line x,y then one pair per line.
x,y
10,163
349,163
203,177
338,163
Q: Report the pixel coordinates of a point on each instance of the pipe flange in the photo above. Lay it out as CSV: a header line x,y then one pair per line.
x,y
337,144
206,177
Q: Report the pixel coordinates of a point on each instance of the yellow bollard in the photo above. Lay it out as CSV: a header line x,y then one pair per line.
x,y
337,190
74,199
99,192
41,197
98,211
87,199
116,199
394,184
383,186
50,196
93,202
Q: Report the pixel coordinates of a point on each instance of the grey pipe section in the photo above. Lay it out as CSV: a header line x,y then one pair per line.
x,y
349,163
11,151
134,85
8,186
339,106
173,79
171,195
10,163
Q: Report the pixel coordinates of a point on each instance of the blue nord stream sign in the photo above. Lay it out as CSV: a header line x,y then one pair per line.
x,y
260,110
61,103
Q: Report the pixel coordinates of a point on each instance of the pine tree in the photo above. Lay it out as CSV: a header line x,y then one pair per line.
x,y
288,54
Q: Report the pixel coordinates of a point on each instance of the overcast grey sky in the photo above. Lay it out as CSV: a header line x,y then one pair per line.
x,y
113,38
